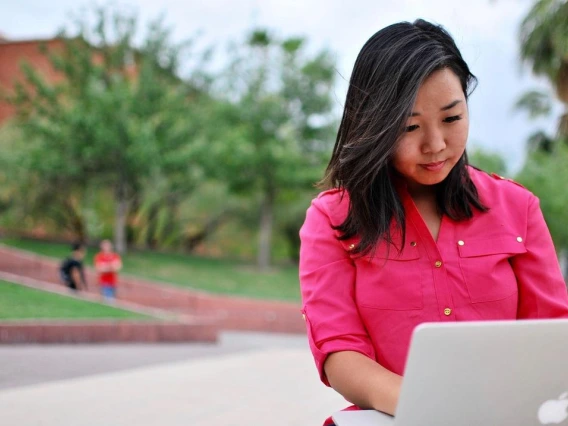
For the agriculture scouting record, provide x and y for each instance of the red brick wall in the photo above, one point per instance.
(229, 312)
(12, 55)
(104, 331)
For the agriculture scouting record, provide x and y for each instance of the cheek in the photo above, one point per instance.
(459, 135)
(406, 155)
(401, 154)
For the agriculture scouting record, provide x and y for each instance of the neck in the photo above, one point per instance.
(421, 192)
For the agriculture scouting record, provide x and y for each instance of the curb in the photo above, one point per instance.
(104, 332)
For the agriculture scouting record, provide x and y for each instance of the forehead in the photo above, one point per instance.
(441, 87)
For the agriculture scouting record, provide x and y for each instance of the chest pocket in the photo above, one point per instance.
(486, 268)
(389, 280)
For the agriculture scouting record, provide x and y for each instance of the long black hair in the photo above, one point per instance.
(388, 72)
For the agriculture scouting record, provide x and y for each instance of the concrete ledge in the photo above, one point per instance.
(104, 331)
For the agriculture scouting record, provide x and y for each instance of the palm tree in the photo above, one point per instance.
(544, 45)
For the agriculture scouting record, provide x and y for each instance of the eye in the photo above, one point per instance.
(411, 128)
(452, 119)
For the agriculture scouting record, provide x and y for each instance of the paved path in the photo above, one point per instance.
(247, 379)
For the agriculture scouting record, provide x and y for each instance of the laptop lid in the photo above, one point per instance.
(362, 418)
(486, 373)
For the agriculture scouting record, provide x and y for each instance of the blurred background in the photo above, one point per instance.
(191, 135)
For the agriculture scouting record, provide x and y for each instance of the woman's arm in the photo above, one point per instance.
(362, 381)
(542, 290)
(342, 348)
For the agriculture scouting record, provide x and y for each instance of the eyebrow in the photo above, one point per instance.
(444, 108)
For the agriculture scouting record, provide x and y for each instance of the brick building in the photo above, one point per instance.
(12, 54)
(15, 52)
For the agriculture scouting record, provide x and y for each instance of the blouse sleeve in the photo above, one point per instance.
(542, 291)
(327, 281)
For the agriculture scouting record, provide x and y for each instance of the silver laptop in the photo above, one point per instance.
(502, 373)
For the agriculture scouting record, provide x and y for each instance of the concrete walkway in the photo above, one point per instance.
(248, 379)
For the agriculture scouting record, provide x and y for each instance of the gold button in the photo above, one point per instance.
(460, 243)
(520, 239)
(304, 316)
(447, 311)
(438, 263)
(413, 243)
(351, 246)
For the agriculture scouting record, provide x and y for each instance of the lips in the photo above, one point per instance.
(434, 167)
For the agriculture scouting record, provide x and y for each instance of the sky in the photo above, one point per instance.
(486, 31)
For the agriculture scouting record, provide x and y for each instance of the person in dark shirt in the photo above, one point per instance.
(71, 269)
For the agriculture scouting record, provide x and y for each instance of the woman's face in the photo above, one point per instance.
(436, 132)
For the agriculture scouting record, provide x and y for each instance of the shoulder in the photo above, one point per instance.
(334, 204)
(493, 188)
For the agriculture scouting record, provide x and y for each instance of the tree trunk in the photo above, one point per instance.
(150, 241)
(293, 236)
(562, 82)
(265, 232)
(563, 126)
(73, 220)
(122, 206)
(193, 240)
(563, 258)
(562, 91)
(78, 226)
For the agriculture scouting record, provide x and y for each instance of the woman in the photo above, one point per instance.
(409, 232)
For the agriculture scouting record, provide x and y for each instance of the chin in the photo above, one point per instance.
(432, 180)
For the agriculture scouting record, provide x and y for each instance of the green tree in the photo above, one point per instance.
(31, 197)
(544, 46)
(537, 103)
(491, 162)
(119, 117)
(275, 124)
(546, 175)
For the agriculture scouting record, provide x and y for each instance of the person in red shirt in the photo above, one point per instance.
(107, 265)
(408, 232)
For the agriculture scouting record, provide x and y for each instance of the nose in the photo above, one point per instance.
(433, 142)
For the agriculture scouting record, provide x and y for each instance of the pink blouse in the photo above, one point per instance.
(501, 264)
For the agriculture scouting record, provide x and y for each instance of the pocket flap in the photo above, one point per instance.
(507, 244)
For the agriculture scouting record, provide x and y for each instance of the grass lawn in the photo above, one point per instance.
(213, 275)
(19, 302)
